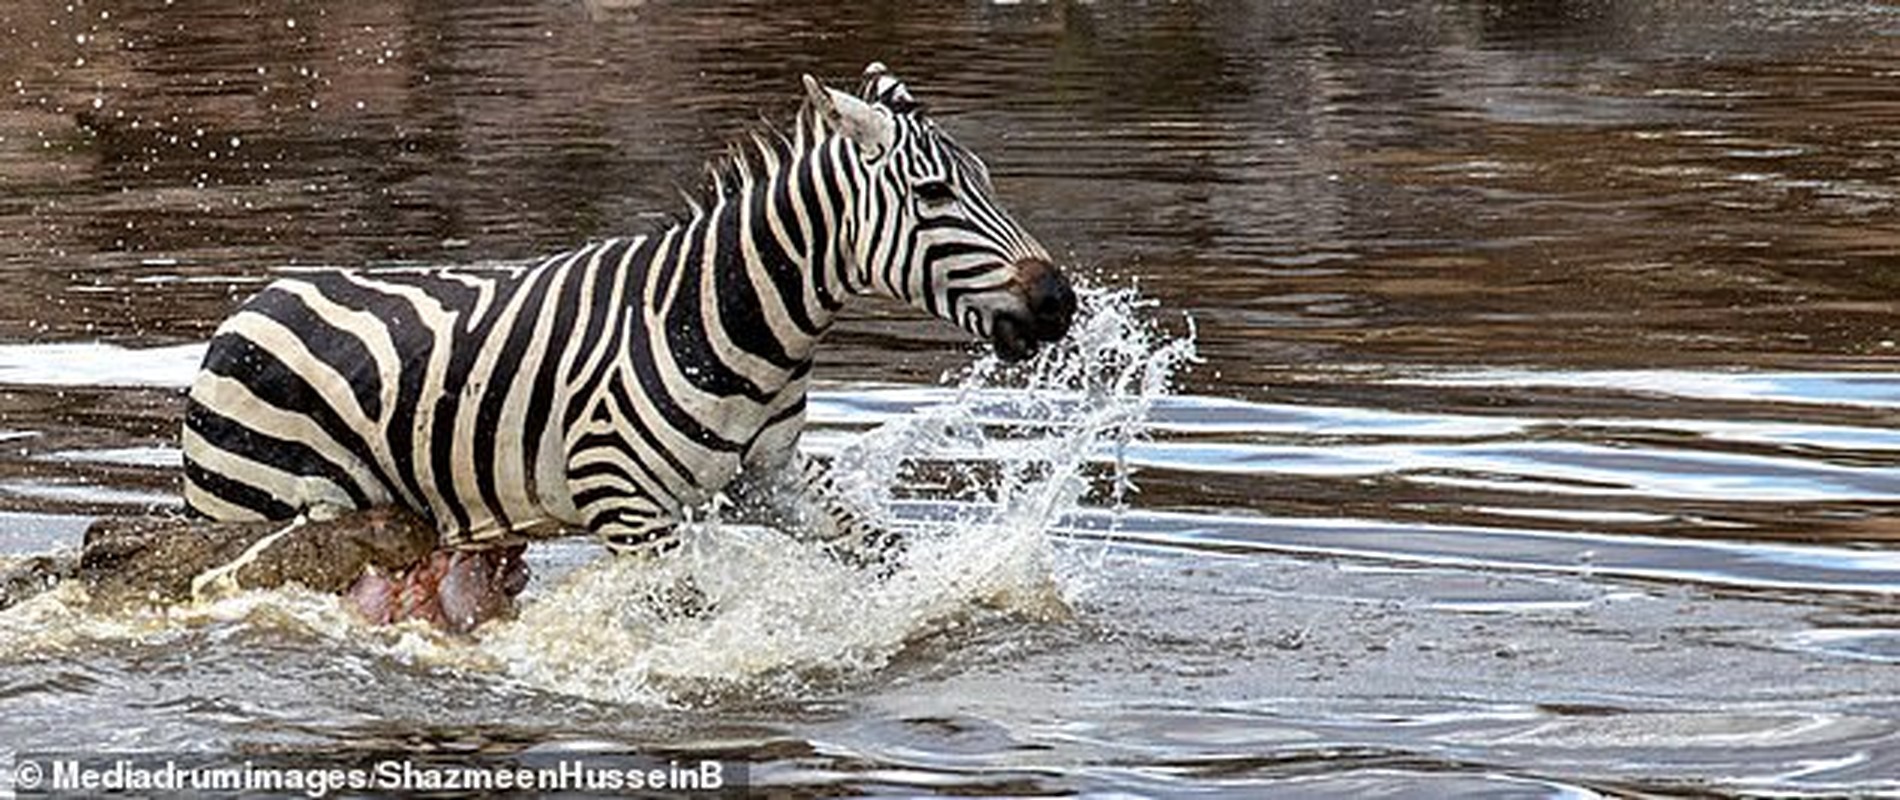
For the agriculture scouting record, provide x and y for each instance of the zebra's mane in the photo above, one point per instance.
(750, 158)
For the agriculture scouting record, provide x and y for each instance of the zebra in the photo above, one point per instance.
(615, 387)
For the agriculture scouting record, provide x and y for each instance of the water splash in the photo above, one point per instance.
(975, 483)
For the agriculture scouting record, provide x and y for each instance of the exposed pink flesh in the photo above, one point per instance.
(452, 590)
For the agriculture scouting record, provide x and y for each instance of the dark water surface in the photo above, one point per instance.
(1544, 440)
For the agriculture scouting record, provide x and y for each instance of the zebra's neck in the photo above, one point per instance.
(770, 248)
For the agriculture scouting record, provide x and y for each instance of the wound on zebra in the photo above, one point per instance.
(615, 387)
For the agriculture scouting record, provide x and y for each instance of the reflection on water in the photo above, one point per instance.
(1543, 442)
(1877, 390)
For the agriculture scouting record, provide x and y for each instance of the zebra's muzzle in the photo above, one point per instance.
(1048, 308)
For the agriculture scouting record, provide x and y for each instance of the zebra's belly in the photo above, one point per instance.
(226, 462)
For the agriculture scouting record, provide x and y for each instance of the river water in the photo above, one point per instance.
(1478, 397)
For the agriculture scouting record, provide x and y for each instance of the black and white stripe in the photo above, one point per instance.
(612, 386)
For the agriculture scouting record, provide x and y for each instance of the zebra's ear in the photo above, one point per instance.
(870, 126)
(884, 89)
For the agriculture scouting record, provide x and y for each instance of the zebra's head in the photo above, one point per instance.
(925, 227)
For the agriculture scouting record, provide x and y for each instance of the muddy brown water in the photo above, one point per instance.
(1543, 440)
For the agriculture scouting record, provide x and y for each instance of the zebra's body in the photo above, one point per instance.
(612, 386)
(451, 400)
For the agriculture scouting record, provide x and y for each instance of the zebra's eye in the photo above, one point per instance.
(934, 192)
